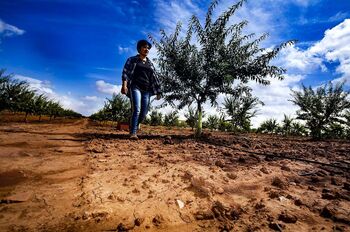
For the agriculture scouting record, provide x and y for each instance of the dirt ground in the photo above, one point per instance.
(80, 176)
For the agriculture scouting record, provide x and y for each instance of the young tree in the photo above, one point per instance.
(286, 128)
(197, 73)
(191, 117)
(269, 126)
(322, 107)
(240, 106)
(156, 118)
(171, 119)
(13, 92)
(213, 122)
(40, 105)
(4, 82)
(28, 103)
(53, 109)
(298, 129)
(118, 108)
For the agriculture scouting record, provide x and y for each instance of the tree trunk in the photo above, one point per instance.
(199, 121)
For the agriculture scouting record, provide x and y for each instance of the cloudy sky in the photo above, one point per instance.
(74, 51)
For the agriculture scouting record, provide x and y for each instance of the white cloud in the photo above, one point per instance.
(169, 13)
(334, 47)
(91, 98)
(85, 105)
(295, 59)
(122, 50)
(339, 17)
(104, 87)
(37, 85)
(9, 30)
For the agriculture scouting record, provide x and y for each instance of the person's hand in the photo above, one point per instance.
(124, 90)
(158, 97)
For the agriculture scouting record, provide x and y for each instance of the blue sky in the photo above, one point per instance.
(74, 50)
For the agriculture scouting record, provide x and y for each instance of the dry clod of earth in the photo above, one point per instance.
(264, 170)
(336, 212)
(279, 183)
(287, 217)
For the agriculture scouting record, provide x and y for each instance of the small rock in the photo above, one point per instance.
(135, 190)
(298, 202)
(260, 205)
(187, 175)
(138, 221)
(227, 154)
(201, 185)
(336, 213)
(282, 198)
(231, 175)
(287, 217)
(125, 227)
(157, 220)
(165, 181)
(219, 190)
(285, 168)
(180, 203)
(85, 216)
(220, 163)
(264, 170)
(277, 182)
(111, 196)
(204, 215)
(97, 150)
(274, 194)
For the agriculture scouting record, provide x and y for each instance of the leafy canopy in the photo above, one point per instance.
(322, 107)
(196, 72)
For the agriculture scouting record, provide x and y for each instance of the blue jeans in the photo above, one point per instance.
(139, 107)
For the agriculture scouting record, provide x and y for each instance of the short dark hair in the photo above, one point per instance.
(142, 43)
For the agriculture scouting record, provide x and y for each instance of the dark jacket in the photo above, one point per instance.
(128, 73)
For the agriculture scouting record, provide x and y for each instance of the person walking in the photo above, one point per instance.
(139, 83)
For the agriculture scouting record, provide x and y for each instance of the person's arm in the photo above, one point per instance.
(124, 89)
(156, 82)
(126, 76)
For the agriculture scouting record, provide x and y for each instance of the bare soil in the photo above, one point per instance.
(81, 176)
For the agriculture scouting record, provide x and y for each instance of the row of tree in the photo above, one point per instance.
(17, 96)
(324, 111)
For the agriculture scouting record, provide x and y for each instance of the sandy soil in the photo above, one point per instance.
(85, 177)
